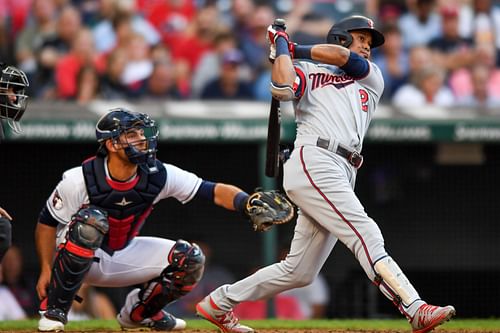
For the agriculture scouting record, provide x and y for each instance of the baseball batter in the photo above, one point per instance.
(335, 98)
(95, 213)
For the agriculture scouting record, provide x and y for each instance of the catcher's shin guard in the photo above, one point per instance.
(73, 259)
(394, 284)
(185, 269)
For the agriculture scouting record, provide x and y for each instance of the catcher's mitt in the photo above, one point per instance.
(265, 208)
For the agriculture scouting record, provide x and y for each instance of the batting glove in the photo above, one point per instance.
(273, 32)
(272, 53)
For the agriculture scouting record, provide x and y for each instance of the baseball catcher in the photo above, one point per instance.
(102, 246)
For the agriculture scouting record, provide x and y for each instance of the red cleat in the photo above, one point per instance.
(428, 317)
(226, 321)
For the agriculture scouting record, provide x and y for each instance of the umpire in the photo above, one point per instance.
(13, 102)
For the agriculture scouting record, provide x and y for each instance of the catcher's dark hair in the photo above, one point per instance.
(102, 150)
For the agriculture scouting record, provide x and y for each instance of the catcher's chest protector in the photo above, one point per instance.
(128, 204)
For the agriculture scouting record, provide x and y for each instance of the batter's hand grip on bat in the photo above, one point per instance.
(279, 22)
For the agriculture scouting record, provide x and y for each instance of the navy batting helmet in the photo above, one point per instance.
(119, 121)
(340, 32)
(13, 98)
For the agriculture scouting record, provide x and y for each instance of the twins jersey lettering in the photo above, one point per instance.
(333, 105)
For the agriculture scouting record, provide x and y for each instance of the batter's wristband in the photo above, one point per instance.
(282, 46)
(302, 51)
(240, 201)
(291, 49)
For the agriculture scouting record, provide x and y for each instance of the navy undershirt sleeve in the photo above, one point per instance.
(46, 218)
(357, 67)
(206, 190)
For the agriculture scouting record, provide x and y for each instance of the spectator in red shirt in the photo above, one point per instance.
(197, 41)
(199, 38)
(82, 53)
(170, 17)
(54, 48)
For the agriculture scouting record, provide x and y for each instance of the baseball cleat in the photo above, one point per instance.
(429, 316)
(49, 325)
(162, 321)
(226, 321)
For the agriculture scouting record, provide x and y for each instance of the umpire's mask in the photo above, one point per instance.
(13, 98)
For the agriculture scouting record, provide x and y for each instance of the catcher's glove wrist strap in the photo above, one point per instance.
(240, 202)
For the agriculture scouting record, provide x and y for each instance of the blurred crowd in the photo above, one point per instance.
(437, 52)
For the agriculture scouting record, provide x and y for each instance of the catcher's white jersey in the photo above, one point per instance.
(71, 193)
(333, 105)
(144, 257)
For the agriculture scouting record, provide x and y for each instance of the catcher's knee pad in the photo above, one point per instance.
(186, 265)
(74, 257)
(5, 236)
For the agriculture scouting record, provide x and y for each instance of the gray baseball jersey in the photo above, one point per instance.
(333, 106)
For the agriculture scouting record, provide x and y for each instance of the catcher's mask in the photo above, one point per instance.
(13, 98)
(120, 121)
(340, 32)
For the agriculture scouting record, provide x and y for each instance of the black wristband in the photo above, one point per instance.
(303, 51)
(240, 201)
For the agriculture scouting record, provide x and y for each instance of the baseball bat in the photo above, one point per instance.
(273, 139)
(274, 129)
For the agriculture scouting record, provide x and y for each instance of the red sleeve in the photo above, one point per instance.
(66, 73)
(299, 86)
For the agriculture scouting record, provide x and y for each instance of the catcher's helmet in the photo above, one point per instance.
(340, 32)
(13, 98)
(120, 120)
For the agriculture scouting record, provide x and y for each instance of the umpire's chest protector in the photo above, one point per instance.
(128, 204)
